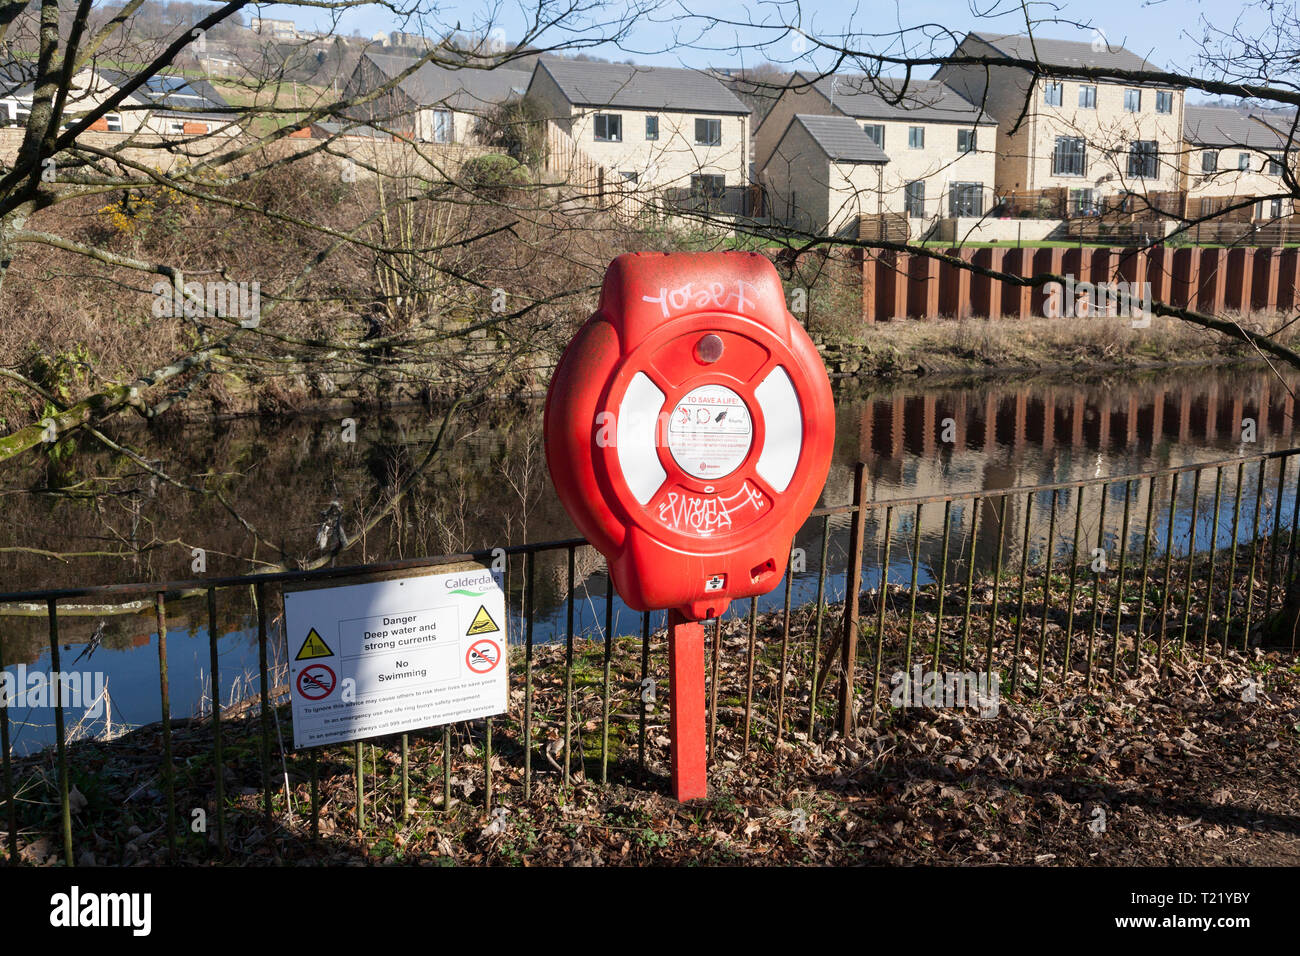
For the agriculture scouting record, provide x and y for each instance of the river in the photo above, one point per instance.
(489, 487)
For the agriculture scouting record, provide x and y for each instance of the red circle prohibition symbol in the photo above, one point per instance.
(482, 656)
(316, 682)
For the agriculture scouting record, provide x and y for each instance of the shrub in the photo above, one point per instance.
(494, 172)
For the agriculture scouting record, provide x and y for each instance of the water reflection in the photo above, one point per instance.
(917, 440)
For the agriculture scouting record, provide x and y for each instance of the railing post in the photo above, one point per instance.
(6, 767)
(852, 587)
(260, 595)
(164, 684)
(56, 679)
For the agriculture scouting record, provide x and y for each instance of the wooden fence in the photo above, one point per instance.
(1055, 203)
(899, 285)
(1221, 232)
(568, 165)
(884, 226)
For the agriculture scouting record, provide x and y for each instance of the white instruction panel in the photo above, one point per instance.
(366, 660)
(710, 432)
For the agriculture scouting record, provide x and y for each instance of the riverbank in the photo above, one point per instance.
(945, 352)
(1169, 763)
(970, 348)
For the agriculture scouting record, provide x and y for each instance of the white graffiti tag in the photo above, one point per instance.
(702, 514)
(705, 295)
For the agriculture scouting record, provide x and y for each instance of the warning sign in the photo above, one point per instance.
(482, 623)
(313, 647)
(482, 656)
(391, 656)
(710, 432)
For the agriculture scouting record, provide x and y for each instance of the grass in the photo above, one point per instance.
(297, 98)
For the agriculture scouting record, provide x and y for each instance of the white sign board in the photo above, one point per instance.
(366, 660)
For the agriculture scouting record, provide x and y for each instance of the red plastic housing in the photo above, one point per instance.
(689, 429)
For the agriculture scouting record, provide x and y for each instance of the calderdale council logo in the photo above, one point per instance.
(76, 909)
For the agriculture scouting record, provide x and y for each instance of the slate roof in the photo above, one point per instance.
(175, 95)
(329, 129)
(16, 79)
(586, 83)
(840, 137)
(465, 90)
(868, 98)
(1065, 53)
(1229, 126)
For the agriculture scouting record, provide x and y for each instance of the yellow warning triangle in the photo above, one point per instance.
(313, 648)
(482, 623)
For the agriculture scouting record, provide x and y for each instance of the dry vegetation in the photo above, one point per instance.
(370, 290)
(1169, 765)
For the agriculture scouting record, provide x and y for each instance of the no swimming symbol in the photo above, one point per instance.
(482, 656)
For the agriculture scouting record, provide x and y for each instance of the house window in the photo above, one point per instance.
(1087, 97)
(914, 199)
(708, 132)
(176, 126)
(442, 128)
(708, 186)
(1083, 202)
(652, 127)
(22, 115)
(1274, 167)
(608, 127)
(1144, 159)
(876, 133)
(1270, 209)
(114, 122)
(1164, 101)
(966, 199)
(916, 137)
(965, 141)
(629, 176)
(1052, 92)
(1133, 101)
(1069, 157)
(1209, 161)
(1243, 162)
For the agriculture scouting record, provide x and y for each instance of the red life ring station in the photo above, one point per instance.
(689, 430)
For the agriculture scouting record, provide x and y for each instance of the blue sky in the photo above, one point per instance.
(1165, 31)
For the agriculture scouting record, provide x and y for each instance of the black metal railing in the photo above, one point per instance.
(1085, 581)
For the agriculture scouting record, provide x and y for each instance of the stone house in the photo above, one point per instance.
(1093, 139)
(667, 130)
(435, 103)
(933, 155)
(1234, 156)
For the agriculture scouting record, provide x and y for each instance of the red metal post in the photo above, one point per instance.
(686, 707)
